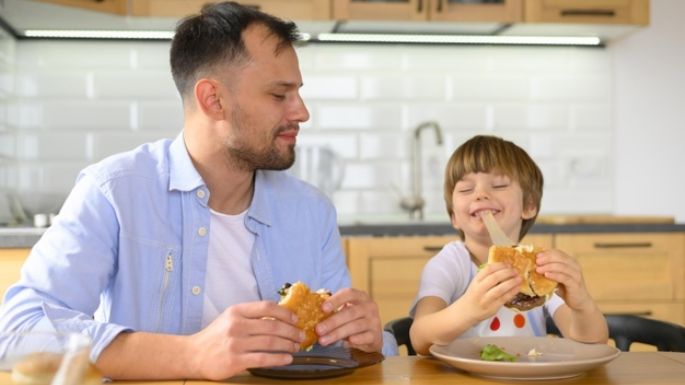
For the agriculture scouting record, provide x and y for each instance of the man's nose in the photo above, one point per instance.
(299, 111)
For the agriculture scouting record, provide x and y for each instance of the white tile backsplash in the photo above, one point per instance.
(71, 103)
(48, 146)
(134, 84)
(67, 115)
(356, 116)
(322, 87)
(160, 115)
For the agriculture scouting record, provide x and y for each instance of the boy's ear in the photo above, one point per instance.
(209, 98)
(529, 211)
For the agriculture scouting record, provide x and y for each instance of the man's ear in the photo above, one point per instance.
(529, 211)
(209, 99)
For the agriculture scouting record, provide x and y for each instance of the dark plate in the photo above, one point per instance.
(309, 367)
(320, 362)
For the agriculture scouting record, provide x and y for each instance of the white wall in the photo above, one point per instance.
(78, 101)
(649, 88)
(605, 125)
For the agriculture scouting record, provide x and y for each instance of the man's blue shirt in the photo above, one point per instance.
(128, 250)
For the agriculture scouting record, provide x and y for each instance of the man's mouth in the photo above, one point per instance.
(288, 135)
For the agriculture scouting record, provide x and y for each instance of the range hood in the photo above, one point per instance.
(29, 19)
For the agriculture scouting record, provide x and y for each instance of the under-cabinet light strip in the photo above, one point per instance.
(118, 34)
(460, 39)
(96, 34)
(338, 37)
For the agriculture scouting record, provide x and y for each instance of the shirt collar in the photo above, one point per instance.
(183, 175)
(260, 208)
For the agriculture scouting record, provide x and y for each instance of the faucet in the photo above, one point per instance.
(414, 203)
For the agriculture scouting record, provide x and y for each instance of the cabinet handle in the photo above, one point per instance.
(439, 9)
(432, 249)
(419, 7)
(588, 12)
(624, 245)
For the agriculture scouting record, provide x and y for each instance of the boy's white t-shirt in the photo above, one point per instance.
(229, 279)
(447, 276)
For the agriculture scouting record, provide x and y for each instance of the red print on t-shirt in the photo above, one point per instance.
(494, 325)
(519, 321)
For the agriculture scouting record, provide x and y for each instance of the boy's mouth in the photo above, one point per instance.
(478, 212)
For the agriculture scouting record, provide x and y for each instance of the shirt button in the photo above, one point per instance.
(200, 193)
(202, 231)
(196, 290)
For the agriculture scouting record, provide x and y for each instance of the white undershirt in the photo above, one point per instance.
(230, 279)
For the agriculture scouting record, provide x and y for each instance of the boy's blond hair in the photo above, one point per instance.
(484, 153)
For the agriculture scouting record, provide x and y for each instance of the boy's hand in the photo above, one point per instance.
(491, 288)
(561, 267)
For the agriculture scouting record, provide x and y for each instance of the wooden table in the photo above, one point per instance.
(635, 368)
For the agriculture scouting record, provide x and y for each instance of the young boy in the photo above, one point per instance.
(455, 298)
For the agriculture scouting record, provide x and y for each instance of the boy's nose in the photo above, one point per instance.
(482, 195)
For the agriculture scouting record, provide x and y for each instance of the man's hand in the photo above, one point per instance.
(357, 322)
(246, 335)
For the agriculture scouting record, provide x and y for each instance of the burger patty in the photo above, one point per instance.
(523, 302)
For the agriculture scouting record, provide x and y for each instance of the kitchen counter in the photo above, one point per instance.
(26, 237)
(19, 237)
(418, 228)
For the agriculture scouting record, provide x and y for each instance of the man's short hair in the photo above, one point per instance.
(214, 37)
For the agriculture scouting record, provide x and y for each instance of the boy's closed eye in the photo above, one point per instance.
(464, 188)
(501, 182)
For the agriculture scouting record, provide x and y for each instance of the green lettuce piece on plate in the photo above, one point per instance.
(492, 352)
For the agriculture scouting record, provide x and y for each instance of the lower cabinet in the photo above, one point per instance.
(632, 273)
(389, 268)
(11, 261)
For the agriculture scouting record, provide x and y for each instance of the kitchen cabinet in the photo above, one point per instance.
(635, 273)
(291, 9)
(11, 261)
(629, 12)
(389, 268)
(623, 12)
(503, 11)
(119, 7)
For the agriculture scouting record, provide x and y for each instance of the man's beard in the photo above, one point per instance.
(266, 158)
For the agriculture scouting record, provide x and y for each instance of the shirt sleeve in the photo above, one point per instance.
(445, 276)
(67, 270)
(553, 304)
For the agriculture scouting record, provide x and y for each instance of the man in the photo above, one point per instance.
(178, 248)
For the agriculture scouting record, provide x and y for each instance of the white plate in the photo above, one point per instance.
(560, 357)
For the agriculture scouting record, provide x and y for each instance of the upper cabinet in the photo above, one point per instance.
(514, 12)
(119, 7)
(634, 12)
(504, 11)
(291, 9)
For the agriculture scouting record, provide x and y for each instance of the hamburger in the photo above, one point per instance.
(535, 288)
(306, 305)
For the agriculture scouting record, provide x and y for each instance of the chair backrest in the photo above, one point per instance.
(400, 329)
(625, 329)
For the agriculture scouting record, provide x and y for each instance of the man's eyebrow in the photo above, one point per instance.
(286, 84)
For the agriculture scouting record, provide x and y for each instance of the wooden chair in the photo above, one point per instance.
(625, 329)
